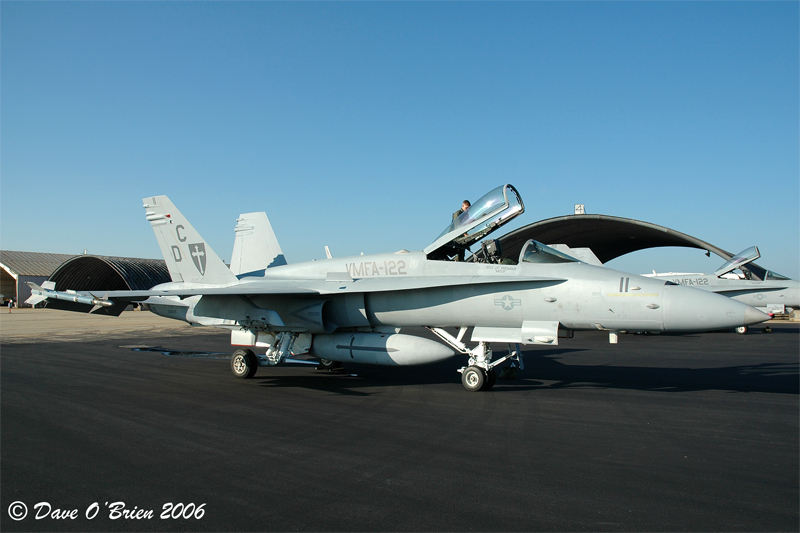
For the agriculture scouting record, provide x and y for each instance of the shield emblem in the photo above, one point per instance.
(198, 252)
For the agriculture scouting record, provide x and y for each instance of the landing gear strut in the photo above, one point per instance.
(480, 373)
(282, 347)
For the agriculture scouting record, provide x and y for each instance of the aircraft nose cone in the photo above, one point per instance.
(754, 316)
(688, 309)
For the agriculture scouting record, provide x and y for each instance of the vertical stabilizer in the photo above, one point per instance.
(189, 258)
(255, 248)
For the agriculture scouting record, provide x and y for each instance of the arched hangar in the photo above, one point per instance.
(608, 237)
(93, 272)
(77, 272)
(90, 272)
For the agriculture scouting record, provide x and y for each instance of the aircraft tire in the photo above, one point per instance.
(491, 379)
(327, 364)
(244, 364)
(473, 378)
(741, 330)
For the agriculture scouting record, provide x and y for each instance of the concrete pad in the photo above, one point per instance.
(45, 325)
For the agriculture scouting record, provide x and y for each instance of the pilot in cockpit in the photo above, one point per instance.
(464, 206)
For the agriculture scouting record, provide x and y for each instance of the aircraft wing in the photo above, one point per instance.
(329, 286)
(332, 285)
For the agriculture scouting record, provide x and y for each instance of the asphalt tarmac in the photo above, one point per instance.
(656, 433)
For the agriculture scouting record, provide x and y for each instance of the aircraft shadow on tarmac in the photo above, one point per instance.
(764, 377)
(544, 371)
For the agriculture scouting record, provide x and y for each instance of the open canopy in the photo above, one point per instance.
(493, 210)
(739, 260)
(744, 258)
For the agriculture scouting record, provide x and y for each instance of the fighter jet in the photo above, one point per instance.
(353, 309)
(763, 289)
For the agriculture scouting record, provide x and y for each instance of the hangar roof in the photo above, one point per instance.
(94, 272)
(31, 263)
(87, 272)
(609, 237)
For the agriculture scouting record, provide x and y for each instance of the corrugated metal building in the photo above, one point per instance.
(76, 272)
(18, 267)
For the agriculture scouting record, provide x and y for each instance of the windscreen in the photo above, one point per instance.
(536, 252)
(775, 276)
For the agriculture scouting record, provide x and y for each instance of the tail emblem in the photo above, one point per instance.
(199, 256)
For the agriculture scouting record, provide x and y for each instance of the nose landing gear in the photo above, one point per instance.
(480, 374)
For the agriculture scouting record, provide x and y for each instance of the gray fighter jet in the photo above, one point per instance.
(763, 289)
(352, 309)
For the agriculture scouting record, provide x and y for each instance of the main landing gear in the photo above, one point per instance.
(327, 364)
(480, 374)
(244, 363)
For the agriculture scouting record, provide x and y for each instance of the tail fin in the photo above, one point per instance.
(255, 248)
(189, 258)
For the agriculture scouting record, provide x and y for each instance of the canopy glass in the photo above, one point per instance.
(739, 260)
(490, 212)
(536, 252)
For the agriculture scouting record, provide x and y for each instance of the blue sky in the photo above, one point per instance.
(362, 126)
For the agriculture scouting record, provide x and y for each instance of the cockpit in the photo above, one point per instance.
(743, 262)
(493, 210)
(738, 261)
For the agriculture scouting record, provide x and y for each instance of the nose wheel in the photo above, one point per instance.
(475, 378)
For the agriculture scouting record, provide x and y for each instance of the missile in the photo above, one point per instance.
(392, 349)
(39, 294)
